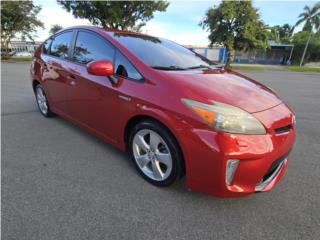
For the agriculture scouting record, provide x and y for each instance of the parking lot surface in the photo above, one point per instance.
(59, 182)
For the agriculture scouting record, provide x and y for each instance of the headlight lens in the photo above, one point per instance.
(226, 118)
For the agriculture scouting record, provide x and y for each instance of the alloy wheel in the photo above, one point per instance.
(42, 101)
(152, 154)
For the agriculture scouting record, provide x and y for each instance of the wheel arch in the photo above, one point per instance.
(139, 118)
(35, 82)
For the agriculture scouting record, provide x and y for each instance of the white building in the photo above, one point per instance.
(23, 46)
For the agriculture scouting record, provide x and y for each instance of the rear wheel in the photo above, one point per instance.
(42, 101)
(155, 153)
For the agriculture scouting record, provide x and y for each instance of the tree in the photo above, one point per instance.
(311, 20)
(281, 33)
(123, 15)
(55, 28)
(236, 25)
(18, 17)
(299, 40)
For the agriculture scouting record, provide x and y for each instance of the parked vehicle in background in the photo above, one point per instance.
(175, 111)
(23, 54)
(11, 53)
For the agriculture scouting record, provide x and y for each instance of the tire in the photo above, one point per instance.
(42, 101)
(155, 153)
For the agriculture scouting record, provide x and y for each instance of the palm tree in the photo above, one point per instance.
(311, 20)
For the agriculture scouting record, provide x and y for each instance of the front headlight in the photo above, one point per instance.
(226, 118)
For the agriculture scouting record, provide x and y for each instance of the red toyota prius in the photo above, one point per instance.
(175, 111)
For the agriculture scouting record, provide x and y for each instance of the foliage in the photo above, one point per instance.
(281, 33)
(55, 28)
(311, 20)
(236, 25)
(123, 15)
(313, 53)
(16, 59)
(303, 69)
(18, 17)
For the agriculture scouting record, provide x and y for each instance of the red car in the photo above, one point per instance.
(175, 111)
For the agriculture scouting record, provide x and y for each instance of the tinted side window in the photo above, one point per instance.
(91, 47)
(46, 45)
(125, 68)
(60, 45)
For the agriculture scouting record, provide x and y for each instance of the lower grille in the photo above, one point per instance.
(272, 172)
(283, 129)
(273, 167)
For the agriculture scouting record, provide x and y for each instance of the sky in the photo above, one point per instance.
(180, 22)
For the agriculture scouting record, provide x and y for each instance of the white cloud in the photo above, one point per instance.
(53, 15)
(195, 37)
(155, 29)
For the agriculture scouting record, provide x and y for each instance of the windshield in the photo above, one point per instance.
(161, 53)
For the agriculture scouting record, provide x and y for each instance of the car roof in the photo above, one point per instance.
(110, 30)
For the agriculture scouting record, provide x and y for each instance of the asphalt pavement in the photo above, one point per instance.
(60, 182)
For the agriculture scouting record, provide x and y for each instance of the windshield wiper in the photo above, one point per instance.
(199, 66)
(172, 68)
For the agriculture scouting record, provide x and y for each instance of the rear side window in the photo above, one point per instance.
(90, 47)
(125, 69)
(61, 44)
(46, 46)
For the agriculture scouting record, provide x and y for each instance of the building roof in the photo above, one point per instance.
(273, 43)
(202, 46)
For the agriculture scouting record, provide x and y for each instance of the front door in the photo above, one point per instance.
(94, 100)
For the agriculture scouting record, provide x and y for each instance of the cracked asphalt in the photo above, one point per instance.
(59, 182)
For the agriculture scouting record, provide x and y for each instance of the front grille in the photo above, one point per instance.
(283, 129)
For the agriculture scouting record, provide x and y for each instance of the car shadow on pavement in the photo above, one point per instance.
(123, 159)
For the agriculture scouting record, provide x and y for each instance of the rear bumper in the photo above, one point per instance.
(207, 152)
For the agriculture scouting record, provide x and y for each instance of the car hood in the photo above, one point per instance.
(224, 86)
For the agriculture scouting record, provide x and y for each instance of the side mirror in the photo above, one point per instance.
(102, 68)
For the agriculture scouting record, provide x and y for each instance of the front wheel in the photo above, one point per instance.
(155, 153)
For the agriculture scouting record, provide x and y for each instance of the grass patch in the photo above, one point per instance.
(16, 59)
(276, 68)
(252, 68)
(302, 69)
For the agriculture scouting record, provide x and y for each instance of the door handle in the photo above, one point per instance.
(71, 80)
(124, 98)
(45, 67)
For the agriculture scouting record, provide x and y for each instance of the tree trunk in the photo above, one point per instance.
(231, 54)
(7, 48)
(305, 48)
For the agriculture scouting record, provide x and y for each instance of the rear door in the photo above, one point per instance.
(55, 70)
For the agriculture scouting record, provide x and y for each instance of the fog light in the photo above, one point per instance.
(232, 165)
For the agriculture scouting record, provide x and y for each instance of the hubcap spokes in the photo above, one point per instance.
(152, 154)
(42, 101)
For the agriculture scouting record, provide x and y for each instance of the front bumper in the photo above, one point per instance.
(207, 152)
